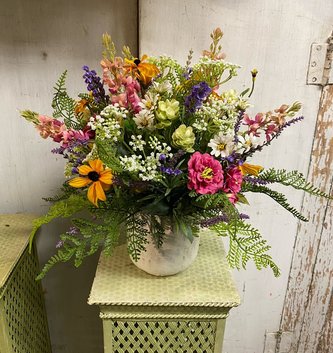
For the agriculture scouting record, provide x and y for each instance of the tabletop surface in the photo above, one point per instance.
(207, 282)
(14, 237)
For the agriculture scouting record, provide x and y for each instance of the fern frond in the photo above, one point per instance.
(157, 230)
(63, 208)
(218, 201)
(63, 105)
(294, 179)
(62, 255)
(136, 236)
(276, 196)
(245, 244)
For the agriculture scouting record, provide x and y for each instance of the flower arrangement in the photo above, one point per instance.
(153, 140)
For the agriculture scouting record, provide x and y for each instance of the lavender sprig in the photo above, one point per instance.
(222, 218)
(197, 96)
(255, 181)
(94, 85)
(237, 125)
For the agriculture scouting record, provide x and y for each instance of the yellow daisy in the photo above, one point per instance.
(97, 177)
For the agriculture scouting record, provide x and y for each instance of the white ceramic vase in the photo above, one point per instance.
(175, 255)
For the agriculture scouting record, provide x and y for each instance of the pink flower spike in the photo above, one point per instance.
(50, 127)
(205, 174)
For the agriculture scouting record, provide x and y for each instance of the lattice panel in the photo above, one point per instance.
(24, 310)
(163, 337)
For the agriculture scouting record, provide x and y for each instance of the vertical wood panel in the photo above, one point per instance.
(308, 305)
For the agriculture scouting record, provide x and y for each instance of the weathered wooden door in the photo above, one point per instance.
(294, 312)
(307, 319)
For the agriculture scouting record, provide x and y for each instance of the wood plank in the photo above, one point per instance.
(308, 304)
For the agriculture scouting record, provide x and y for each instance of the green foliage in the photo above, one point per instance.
(63, 208)
(86, 242)
(157, 229)
(136, 235)
(217, 202)
(294, 179)
(107, 154)
(64, 194)
(63, 105)
(276, 196)
(30, 116)
(245, 243)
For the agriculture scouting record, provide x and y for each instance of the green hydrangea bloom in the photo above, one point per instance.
(184, 138)
(167, 112)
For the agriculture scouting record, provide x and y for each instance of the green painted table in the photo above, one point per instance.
(23, 323)
(176, 314)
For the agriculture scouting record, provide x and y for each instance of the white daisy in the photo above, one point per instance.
(149, 101)
(162, 87)
(222, 145)
(247, 141)
(144, 120)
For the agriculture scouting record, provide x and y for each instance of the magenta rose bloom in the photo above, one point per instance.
(205, 174)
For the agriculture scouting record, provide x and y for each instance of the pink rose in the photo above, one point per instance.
(205, 174)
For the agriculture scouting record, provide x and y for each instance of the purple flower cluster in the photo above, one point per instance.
(255, 181)
(197, 96)
(170, 171)
(169, 168)
(73, 152)
(222, 218)
(94, 84)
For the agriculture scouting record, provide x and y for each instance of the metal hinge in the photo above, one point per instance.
(320, 70)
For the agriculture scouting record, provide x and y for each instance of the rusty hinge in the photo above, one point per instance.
(320, 70)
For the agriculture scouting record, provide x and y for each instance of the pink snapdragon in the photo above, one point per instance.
(50, 127)
(205, 174)
(129, 98)
(74, 135)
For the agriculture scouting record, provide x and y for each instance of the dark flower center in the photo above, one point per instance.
(94, 176)
(137, 62)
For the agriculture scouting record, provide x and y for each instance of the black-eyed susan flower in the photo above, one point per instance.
(95, 175)
(144, 71)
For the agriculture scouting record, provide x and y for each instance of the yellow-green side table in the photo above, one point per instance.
(185, 313)
(23, 323)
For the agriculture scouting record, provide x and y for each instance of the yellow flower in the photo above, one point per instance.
(144, 71)
(97, 177)
(250, 169)
(81, 106)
